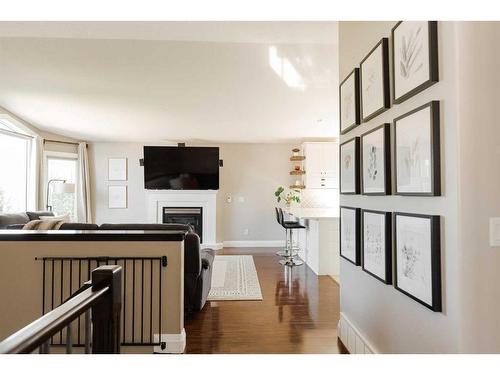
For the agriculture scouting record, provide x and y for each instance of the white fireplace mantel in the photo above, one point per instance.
(207, 199)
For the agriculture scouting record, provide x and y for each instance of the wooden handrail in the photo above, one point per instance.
(104, 299)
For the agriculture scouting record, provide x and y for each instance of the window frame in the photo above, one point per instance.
(47, 154)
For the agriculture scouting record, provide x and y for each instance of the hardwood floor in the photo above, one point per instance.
(297, 316)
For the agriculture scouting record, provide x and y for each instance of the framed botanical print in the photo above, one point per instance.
(349, 102)
(350, 234)
(117, 169)
(376, 245)
(376, 161)
(417, 151)
(415, 58)
(417, 258)
(374, 78)
(349, 166)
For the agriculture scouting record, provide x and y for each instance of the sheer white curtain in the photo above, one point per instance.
(83, 206)
(35, 179)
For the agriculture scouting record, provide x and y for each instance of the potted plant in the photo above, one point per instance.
(287, 197)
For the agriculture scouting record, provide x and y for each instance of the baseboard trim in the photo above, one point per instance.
(254, 243)
(213, 246)
(175, 343)
(352, 339)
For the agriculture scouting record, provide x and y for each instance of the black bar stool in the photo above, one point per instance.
(291, 254)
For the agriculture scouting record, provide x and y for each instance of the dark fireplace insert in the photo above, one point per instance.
(185, 215)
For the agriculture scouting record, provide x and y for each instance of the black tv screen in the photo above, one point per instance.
(181, 168)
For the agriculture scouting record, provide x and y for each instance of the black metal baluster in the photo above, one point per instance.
(52, 297)
(133, 300)
(43, 289)
(87, 331)
(151, 303)
(124, 299)
(69, 340)
(159, 303)
(142, 303)
(62, 283)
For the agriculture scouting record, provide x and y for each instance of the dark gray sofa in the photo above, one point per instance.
(198, 262)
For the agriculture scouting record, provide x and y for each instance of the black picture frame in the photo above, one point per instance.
(433, 63)
(388, 245)
(357, 156)
(435, 235)
(357, 236)
(387, 160)
(385, 79)
(357, 115)
(434, 147)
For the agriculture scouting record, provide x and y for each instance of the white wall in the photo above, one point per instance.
(392, 322)
(251, 171)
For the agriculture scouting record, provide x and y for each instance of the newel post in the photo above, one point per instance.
(106, 313)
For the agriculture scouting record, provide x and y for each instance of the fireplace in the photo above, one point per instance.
(185, 215)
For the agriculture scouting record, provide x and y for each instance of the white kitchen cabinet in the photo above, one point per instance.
(321, 165)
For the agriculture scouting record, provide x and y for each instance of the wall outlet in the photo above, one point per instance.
(495, 231)
(245, 232)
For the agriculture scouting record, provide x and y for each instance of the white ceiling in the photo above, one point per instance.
(173, 81)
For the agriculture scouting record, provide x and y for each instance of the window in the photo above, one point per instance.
(15, 150)
(61, 168)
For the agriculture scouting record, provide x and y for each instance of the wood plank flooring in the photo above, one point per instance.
(298, 314)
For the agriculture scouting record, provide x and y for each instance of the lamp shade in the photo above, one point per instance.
(64, 187)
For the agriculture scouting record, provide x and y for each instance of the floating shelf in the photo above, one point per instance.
(297, 158)
(296, 173)
(297, 186)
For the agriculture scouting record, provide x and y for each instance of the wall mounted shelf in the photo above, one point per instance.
(297, 158)
(297, 173)
(300, 187)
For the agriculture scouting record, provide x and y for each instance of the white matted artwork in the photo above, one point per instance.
(117, 169)
(117, 196)
(417, 255)
(349, 102)
(417, 151)
(349, 234)
(375, 161)
(415, 58)
(376, 250)
(374, 77)
(349, 167)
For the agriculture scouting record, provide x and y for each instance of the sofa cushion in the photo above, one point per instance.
(146, 227)
(15, 218)
(79, 226)
(35, 215)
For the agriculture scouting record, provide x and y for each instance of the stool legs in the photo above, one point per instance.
(290, 253)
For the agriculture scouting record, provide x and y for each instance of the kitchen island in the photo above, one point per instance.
(319, 242)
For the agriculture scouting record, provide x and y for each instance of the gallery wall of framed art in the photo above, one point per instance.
(390, 153)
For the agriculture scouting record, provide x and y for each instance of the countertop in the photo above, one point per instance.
(91, 235)
(314, 213)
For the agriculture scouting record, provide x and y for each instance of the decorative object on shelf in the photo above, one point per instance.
(297, 168)
(117, 196)
(117, 169)
(287, 197)
(297, 158)
(415, 58)
(349, 102)
(295, 152)
(376, 253)
(417, 258)
(297, 187)
(62, 187)
(349, 166)
(297, 172)
(376, 161)
(417, 159)
(350, 234)
(374, 78)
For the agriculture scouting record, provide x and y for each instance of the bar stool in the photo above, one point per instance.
(290, 251)
(283, 252)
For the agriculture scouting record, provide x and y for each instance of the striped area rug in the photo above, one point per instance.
(234, 278)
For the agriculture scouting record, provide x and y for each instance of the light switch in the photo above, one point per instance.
(495, 231)
(229, 199)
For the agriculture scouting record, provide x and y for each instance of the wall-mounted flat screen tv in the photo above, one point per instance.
(181, 168)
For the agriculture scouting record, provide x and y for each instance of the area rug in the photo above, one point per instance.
(234, 278)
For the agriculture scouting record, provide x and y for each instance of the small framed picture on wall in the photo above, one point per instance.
(349, 166)
(349, 102)
(417, 258)
(376, 253)
(417, 151)
(117, 196)
(415, 58)
(350, 234)
(374, 77)
(117, 169)
(376, 161)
